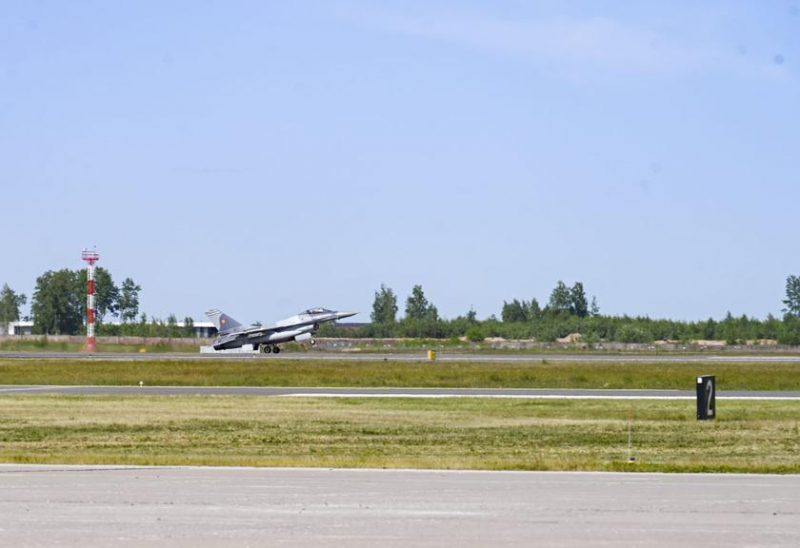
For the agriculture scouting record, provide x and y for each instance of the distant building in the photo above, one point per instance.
(201, 329)
(20, 328)
(204, 330)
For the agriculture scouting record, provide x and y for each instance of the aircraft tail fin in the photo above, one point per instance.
(222, 321)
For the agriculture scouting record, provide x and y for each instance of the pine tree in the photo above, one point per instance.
(792, 300)
(594, 310)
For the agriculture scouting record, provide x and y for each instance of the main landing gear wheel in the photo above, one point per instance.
(265, 349)
(276, 350)
(313, 342)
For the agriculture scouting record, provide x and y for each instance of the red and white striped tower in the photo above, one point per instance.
(90, 257)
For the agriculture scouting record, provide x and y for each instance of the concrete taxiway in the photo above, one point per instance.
(126, 506)
(530, 393)
(415, 357)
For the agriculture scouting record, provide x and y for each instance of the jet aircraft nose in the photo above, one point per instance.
(341, 315)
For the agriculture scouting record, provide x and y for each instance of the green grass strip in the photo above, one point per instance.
(44, 345)
(332, 373)
(400, 433)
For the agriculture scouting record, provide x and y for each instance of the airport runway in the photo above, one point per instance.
(529, 393)
(77, 506)
(413, 357)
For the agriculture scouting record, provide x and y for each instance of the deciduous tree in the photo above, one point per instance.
(172, 326)
(417, 305)
(534, 310)
(57, 305)
(515, 311)
(129, 300)
(10, 303)
(188, 327)
(560, 298)
(578, 304)
(384, 307)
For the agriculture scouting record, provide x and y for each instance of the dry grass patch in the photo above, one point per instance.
(428, 433)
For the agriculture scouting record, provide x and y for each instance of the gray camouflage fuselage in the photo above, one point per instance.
(299, 328)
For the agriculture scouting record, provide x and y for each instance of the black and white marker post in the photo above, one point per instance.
(706, 398)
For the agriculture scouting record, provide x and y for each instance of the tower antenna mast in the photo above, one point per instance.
(90, 257)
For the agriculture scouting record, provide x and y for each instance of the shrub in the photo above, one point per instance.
(474, 334)
(629, 333)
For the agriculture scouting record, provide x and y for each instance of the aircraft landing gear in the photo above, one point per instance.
(312, 342)
(268, 348)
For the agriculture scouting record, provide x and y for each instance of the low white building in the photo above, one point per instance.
(204, 330)
(201, 329)
(20, 328)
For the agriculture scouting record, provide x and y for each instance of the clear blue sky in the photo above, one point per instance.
(265, 157)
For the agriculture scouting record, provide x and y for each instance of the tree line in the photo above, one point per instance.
(568, 311)
(58, 307)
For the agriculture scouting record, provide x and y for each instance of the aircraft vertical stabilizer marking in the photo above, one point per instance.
(222, 321)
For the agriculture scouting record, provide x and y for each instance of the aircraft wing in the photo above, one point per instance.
(255, 331)
(288, 326)
(244, 334)
(274, 328)
(258, 330)
(264, 329)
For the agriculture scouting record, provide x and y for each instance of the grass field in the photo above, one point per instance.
(400, 433)
(277, 372)
(396, 346)
(13, 345)
(471, 433)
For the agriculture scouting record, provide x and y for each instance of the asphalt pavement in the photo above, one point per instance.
(78, 506)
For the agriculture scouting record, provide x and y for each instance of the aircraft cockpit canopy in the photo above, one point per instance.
(317, 311)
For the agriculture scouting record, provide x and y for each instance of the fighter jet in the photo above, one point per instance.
(298, 328)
